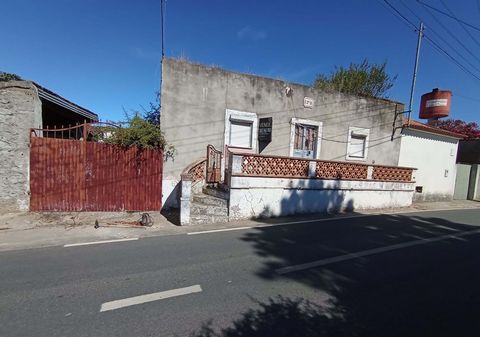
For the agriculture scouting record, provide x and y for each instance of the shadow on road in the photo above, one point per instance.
(282, 317)
(425, 290)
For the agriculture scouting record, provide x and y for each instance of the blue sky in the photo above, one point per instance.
(105, 54)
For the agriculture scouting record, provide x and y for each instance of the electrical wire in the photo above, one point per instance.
(449, 32)
(440, 37)
(433, 43)
(460, 23)
(450, 16)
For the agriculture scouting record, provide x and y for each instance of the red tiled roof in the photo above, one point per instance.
(431, 129)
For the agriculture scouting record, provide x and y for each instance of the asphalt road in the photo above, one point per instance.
(414, 274)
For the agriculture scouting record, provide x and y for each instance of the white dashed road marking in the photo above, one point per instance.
(219, 230)
(98, 242)
(350, 256)
(126, 302)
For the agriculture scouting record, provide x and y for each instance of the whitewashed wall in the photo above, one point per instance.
(252, 197)
(434, 156)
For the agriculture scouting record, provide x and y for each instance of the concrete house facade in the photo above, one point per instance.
(25, 105)
(249, 114)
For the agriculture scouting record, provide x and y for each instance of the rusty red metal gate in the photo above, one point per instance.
(79, 175)
(214, 165)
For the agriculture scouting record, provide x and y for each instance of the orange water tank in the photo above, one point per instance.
(435, 104)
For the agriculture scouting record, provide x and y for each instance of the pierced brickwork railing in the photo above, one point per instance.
(336, 170)
(198, 171)
(195, 171)
(387, 173)
(287, 167)
(274, 166)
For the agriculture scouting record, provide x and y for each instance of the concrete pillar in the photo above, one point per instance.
(312, 169)
(185, 199)
(236, 166)
(370, 172)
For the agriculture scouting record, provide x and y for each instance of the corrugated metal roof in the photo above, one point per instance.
(59, 100)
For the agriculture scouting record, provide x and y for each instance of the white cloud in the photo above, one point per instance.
(250, 33)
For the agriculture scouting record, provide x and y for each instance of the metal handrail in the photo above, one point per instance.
(84, 130)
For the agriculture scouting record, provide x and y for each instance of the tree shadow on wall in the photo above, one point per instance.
(310, 196)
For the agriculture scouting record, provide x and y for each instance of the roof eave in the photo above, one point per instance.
(453, 136)
(56, 99)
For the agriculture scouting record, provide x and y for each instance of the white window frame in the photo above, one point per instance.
(245, 117)
(317, 124)
(360, 132)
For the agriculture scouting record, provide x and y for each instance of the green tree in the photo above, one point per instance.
(5, 77)
(364, 79)
(152, 114)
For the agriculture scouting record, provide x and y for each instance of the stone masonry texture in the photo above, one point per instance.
(20, 110)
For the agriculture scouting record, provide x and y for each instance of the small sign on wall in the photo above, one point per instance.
(308, 102)
(265, 129)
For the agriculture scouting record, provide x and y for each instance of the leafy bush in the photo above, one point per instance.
(363, 79)
(5, 77)
(140, 133)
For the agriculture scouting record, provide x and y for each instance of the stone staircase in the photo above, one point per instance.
(209, 206)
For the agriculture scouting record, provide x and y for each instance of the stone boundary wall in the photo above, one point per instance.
(20, 110)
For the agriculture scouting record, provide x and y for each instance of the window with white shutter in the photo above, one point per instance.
(357, 144)
(241, 134)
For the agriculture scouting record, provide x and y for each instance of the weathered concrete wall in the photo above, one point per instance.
(252, 197)
(20, 110)
(195, 98)
(434, 156)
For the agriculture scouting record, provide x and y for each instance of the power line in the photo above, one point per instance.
(455, 38)
(454, 60)
(460, 23)
(450, 16)
(467, 97)
(401, 15)
(440, 37)
(432, 42)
